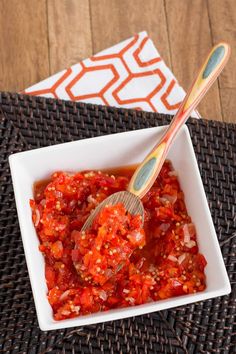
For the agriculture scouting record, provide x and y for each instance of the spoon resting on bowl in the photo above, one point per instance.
(147, 172)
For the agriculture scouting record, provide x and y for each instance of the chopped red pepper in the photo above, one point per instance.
(116, 267)
(107, 246)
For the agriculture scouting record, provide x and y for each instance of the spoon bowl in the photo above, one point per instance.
(131, 202)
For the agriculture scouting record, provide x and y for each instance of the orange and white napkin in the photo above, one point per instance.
(130, 74)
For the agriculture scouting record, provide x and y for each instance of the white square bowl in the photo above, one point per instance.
(105, 152)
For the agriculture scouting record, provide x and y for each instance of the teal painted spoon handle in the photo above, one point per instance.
(146, 173)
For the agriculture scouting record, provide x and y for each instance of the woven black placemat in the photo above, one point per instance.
(205, 327)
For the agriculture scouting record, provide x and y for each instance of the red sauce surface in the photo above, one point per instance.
(162, 262)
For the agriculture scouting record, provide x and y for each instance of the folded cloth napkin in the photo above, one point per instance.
(130, 74)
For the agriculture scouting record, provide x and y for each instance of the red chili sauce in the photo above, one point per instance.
(123, 265)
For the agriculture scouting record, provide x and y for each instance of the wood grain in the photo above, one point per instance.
(223, 26)
(69, 32)
(116, 20)
(228, 101)
(222, 15)
(190, 41)
(23, 43)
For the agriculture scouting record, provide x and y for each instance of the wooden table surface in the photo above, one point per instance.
(40, 37)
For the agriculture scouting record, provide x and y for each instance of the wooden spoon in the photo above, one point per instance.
(147, 172)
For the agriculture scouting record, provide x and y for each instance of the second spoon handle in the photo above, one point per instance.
(146, 173)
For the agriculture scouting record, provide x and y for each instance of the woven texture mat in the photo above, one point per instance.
(204, 327)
